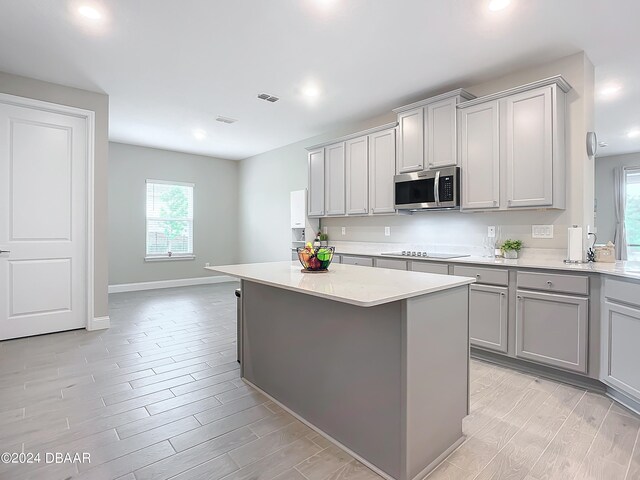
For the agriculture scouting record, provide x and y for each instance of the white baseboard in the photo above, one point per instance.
(99, 323)
(183, 282)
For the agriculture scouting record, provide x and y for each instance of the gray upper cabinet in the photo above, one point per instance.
(353, 175)
(334, 179)
(488, 317)
(528, 134)
(382, 168)
(440, 133)
(316, 183)
(411, 140)
(552, 329)
(480, 156)
(357, 178)
(512, 148)
(427, 132)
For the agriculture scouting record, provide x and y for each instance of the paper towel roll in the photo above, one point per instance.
(574, 248)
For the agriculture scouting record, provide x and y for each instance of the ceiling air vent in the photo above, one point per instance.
(268, 98)
(222, 119)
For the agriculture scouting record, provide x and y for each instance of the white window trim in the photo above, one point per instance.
(165, 257)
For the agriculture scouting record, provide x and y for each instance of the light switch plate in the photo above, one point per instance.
(541, 231)
(387, 231)
(491, 231)
(344, 230)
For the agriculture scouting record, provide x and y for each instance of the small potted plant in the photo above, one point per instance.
(324, 239)
(510, 248)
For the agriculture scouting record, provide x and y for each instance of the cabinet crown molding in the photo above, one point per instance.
(558, 80)
(351, 136)
(421, 103)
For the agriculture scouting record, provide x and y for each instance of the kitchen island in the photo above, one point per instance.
(374, 359)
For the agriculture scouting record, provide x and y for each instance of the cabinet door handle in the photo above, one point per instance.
(519, 297)
(549, 283)
(502, 294)
(5, 251)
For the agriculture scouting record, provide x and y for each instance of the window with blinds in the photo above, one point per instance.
(632, 213)
(169, 219)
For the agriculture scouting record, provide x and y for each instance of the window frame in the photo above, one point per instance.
(165, 256)
(630, 170)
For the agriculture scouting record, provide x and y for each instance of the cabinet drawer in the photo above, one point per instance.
(553, 282)
(428, 267)
(489, 276)
(353, 260)
(625, 292)
(390, 263)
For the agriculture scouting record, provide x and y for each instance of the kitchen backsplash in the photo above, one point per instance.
(449, 230)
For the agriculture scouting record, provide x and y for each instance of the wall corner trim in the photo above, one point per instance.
(98, 323)
(182, 282)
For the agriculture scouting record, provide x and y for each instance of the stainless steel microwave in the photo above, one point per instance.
(429, 189)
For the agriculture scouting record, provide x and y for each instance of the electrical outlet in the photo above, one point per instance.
(491, 231)
(344, 230)
(387, 231)
(541, 231)
(207, 264)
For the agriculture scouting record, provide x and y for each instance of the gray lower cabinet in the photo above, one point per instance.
(552, 329)
(488, 317)
(355, 260)
(621, 352)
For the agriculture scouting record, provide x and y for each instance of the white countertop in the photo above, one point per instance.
(627, 269)
(621, 269)
(361, 286)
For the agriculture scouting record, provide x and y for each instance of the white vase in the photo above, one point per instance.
(511, 254)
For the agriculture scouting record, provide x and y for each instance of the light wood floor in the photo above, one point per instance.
(158, 396)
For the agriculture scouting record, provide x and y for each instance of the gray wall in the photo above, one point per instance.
(98, 103)
(267, 179)
(605, 215)
(215, 212)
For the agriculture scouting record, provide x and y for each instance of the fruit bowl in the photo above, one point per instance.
(315, 259)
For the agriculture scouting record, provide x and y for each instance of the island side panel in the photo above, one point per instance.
(334, 364)
(435, 376)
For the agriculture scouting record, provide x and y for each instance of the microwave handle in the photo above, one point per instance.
(436, 188)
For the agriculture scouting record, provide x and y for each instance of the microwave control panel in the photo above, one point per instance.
(446, 189)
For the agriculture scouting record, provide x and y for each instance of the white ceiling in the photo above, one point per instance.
(171, 66)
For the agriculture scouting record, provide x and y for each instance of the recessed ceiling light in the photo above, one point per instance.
(495, 5)
(199, 134)
(633, 133)
(311, 91)
(89, 12)
(610, 90)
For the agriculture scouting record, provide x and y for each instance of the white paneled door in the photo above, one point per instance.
(43, 221)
